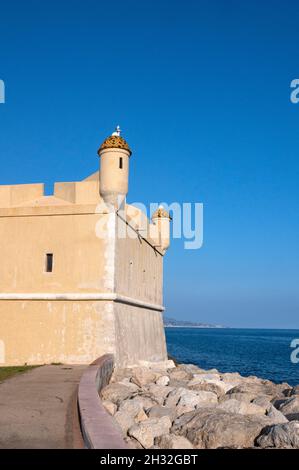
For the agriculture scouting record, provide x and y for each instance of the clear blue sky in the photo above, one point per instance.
(201, 90)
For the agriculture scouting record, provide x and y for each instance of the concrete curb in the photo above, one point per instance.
(98, 428)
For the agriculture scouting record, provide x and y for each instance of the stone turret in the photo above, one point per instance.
(161, 220)
(114, 174)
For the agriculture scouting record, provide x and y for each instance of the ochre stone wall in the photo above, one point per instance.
(78, 253)
(139, 335)
(45, 332)
(138, 268)
(138, 274)
(78, 332)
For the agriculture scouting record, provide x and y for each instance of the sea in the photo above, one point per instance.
(260, 352)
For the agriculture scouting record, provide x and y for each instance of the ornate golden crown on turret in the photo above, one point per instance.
(161, 213)
(115, 141)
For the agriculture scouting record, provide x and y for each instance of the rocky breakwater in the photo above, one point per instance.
(163, 406)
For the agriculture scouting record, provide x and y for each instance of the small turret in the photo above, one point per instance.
(114, 173)
(161, 220)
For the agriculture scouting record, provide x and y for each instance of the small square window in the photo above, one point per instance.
(49, 262)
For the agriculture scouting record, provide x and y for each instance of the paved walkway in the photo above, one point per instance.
(38, 409)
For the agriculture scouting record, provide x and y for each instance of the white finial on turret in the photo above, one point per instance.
(117, 132)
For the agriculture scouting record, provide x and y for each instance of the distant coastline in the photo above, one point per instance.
(194, 326)
(173, 323)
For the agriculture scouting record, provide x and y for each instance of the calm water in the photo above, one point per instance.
(265, 353)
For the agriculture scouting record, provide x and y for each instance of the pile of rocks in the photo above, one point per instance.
(163, 406)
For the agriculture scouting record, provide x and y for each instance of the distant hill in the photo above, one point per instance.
(173, 323)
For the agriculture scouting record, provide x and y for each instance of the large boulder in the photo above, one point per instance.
(178, 383)
(200, 378)
(198, 398)
(116, 393)
(146, 431)
(182, 409)
(290, 408)
(210, 428)
(141, 416)
(232, 378)
(163, 380)
(127, 382)
(158, 393)
(190, 369)
(129, 413)
(142, 376)
(124, 421)
(256, 387)
(138, 402)
(131, 407)
(132, 443)
(247, 397)
(284, 389)
(263, 401)
(120, 374)
(281, 436)
(174, 396)
(159, 411)
(277, 402)
(192, 398)
(295, 390)
(189, 400)
(159, 365)
(180, 374)
(241, 407)
(208, 387)
(171, 441)
(275, 416)
(110, 407)
(213, 379)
